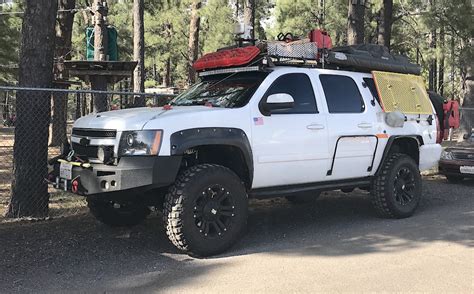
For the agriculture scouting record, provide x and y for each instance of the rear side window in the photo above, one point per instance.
(298, 85)
(371, 84)
(342, 94)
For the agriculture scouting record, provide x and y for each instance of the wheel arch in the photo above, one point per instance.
(406, 144)
(228, 147)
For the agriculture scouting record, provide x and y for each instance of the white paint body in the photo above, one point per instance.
(287, 148)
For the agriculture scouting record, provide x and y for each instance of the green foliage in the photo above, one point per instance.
(217, 25)
(167, 30)
(300, 16)
(10, 36)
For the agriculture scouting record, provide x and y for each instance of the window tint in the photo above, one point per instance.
(371, 84)
(298, 85)
(342, 94)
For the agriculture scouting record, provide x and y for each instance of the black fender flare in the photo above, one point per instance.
(390, 142)
(186, 139)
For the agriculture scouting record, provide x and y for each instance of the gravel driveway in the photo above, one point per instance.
(333, 245)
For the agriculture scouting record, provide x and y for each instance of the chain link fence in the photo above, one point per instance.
(37, 122)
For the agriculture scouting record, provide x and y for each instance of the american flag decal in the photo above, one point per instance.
(258, 121)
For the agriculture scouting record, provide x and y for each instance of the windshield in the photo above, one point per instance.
(228, 91)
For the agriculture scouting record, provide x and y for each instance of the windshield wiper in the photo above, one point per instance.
(200, 103)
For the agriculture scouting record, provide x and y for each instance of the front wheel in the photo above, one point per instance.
(205, 211)
(396, 191)
(119, 213)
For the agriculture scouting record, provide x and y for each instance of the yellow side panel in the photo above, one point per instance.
(403, 92)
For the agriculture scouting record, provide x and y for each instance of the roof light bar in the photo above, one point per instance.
(229, 70)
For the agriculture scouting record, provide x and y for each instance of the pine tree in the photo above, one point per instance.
(193, 45)
(355, 22)
(62, 52)
(29, 190)
(139, 51)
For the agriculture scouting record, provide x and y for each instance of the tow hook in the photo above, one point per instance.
(77, 187)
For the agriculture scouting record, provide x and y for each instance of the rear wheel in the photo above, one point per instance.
(455, 179)
(119, 213)
(205, 211)
(397, 190)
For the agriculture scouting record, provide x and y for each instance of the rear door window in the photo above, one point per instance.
(342, 94)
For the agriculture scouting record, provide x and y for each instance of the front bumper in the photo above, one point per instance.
(131, 173)
(452, 167)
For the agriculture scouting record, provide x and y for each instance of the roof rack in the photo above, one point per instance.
(313, 52)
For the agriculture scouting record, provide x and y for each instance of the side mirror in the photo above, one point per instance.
(278, 101)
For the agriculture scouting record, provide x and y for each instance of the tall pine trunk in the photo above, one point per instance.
(249, 16)
(99, 101)
(385, 24)
(441, 63)
(355, 22)
(29, 190)
(139, 51)
(467, 121)
(432, 76)
(64, 23)
(193, 45)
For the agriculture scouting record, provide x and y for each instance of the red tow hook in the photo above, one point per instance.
(75, 186)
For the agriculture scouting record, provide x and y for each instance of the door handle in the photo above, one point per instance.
(365, 125)
(315, 127)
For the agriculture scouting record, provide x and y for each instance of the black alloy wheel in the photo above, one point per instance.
(404, 186)
(397, 187)
(205, 210)
(213, 211)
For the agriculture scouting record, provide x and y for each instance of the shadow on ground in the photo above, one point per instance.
(79, 254)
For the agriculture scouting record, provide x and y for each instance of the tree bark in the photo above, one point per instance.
(249, 16)
(167, 75)
(467, 118)
(193, 45)
(62, 52)
(441, 63)
(139, 52)
(77, 113)
(29, 190)
(385, 24)
(355, 22)
(432, 76)
(100, 53)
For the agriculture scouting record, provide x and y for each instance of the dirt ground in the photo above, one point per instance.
(333, 245)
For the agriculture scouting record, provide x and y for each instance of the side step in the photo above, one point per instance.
(288, 190)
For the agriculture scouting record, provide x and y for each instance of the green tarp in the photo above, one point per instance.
(112, 51)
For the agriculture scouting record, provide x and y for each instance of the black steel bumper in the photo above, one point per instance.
(130, 173)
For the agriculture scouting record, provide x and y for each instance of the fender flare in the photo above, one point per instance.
(185, 139)
(390, 142)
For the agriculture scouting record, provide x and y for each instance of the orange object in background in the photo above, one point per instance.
(451, 116)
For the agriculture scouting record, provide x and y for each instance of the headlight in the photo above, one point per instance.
(140, 143)
(446, 155)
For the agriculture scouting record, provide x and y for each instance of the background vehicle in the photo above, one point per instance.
(457, 162)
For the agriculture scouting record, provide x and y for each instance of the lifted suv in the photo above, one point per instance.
(286, 131)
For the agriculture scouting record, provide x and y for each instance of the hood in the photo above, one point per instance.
(134, 118)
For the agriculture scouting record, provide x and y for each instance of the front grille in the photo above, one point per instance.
(463, 156)
(89, 151)
(94, 133)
